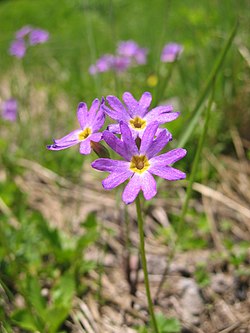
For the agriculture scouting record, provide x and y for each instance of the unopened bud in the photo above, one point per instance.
(99, 149)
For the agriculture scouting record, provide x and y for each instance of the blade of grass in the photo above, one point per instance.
(161, 88)
(92, 50)
(196, 161)
(213, 74)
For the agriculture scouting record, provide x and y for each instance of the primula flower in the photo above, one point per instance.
(90, 123)
(109, 62)
(38, 36)
(131, 49)
(136, 113)
(140, 163)
(120, 64)
(171, 52)
(24, 31)
(18, 48)
(9, 110)
(103, 64)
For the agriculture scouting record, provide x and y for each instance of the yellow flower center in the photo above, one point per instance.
(139, 164)
(138, 123)
(84, 134)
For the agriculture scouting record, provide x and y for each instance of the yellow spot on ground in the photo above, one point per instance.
(84, 134)
(138, 123)
(139, 164)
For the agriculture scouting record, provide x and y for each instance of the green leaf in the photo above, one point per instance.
(90, 221)
(64, 291)
(24, 319)
(85, 240)
(34, 297)
(56, 316)
(167, 325)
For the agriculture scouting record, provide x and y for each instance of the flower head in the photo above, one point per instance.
(9, 110)
(171, 52)
(35, 36)
(120, 64)
(131, 49)
(38, 36)
(103, 64)
(24, 31)
(139, 163)
(90, 123)
(136, 113)
(18, 48)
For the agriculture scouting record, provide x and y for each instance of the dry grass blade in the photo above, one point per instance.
(214, 231)
(220, 197)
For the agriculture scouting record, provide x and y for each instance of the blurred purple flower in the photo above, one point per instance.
(103, 64)
(24, 31)
(136, 113)
(90, 123)
(9, 110)
(131, 49)
(120, 64)
(171, 52)
(128, 54)
(18, 48)
(140, 163)
(38, 36)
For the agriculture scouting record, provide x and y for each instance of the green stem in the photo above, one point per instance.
(144, 263)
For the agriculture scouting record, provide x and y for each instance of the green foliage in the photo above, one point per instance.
(44, 259)
(164, 324)
(201, 275)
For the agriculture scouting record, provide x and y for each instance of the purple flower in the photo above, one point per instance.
(140, 163)
(127, 48)
(120, 64)
(90, 123)
(18, 48)
(131, 49)
(103, 64)
(171, 52)
(136, 113)
(38, 36)
(24, 31)
(9, 110)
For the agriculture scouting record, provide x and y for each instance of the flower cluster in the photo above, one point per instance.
(138, 142)
(9, 110)
(27, 36)
(128, 54)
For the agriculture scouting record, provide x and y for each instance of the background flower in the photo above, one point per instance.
(9, 109)
(131, 49)
(24, 31)
(18, 48)
(38, 36)
(171, 52)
